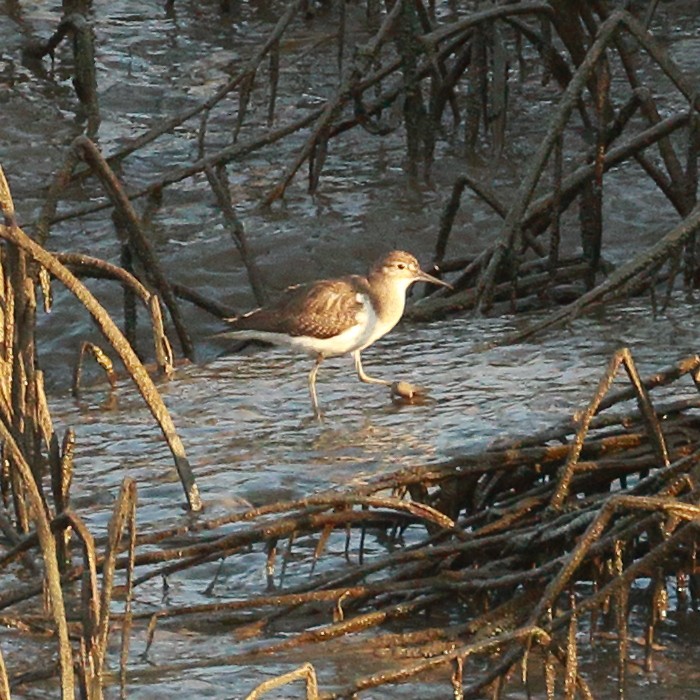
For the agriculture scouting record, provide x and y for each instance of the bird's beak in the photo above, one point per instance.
(425, 277)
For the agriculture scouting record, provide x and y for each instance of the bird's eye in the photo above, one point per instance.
(401, 266)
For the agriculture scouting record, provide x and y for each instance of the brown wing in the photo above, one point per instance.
(321, 309)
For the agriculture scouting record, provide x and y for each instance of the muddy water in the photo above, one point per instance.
(245, 418)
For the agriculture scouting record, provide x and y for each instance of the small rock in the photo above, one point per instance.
(405, 392)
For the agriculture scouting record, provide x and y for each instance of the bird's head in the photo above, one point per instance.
(401, 267)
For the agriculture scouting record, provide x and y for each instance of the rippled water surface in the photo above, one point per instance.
(247, 424)
(245, 418)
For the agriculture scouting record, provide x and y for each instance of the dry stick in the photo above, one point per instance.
(164, 127)
(662, 182)
(291, 599)
(539, 212)
(137, 240)
(23, 357)
(4, 681)
(163, 350)
(480, 545)
(102, 360)
(489, 196)
(658, 595)
(133, 365)
(432, 39)
(6, 334)
(222, 156)
(555, 233)
(63, 479)
(197, 553)
(621, 612)
(90, 602)
(573, 182)
(123, 508)
(212, 306)
(639, 31)
(348, 90)
(333, 107)
(638, 568)
(127, 621)
(684, 511)
(510, 658)
(592, 222)
(229, 153)
(82, 265)
(553, 62)
(313, 505)
(481, 647)
(510, 233)
(650, 12)
(499, 92)
(60, 181)
(223, 196)
(690, 263)
(306, 671)
(48, 549)
(452, 207)
(645, 261)
(37, 503)
(662, 377)
(12, 536)
(84, 80)
(209, 525)
(324, 589)
(418, 127)
(443, 90)
(460, 467)
(244, 92)
(493, 619)
(512, 227)
(237, 151)
(466, 299)
(641, 567)
(321, 633)
(44, 422)
(309, 520)
(623, 357)
(648, 107)
(571, 671)
(274, 73)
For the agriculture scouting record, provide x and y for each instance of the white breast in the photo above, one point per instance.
(392, 303)
(354, 338)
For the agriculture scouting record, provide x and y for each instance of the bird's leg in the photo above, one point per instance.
(365, 377)
(312, 385)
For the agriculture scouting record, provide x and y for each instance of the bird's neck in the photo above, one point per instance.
(388, 296)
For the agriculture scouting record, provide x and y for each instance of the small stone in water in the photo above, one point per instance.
(407, 392)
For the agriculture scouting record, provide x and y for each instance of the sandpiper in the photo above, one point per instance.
(337, 316)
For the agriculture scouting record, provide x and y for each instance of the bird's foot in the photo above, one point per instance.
(312, 419)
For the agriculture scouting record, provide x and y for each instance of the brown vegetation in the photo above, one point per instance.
(521, 541)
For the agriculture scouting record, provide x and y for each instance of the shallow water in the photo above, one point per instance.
(245, 418)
